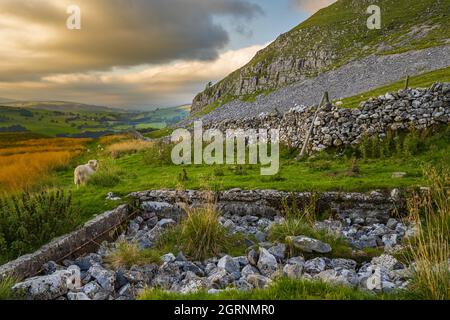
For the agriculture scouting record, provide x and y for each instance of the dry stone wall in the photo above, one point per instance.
(336, 126)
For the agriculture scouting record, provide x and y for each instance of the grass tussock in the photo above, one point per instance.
(29, 221)
(158, 154)
(200, 236)
(429, 250)
(108, 175)
(300, 222)
(120, 149)
(5, 288)
(128, 254)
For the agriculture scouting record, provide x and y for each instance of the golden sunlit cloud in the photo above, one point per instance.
(312, 6)
(179, 78)
(145, 43)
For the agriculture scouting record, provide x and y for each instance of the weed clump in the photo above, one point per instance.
(158, 154)
(429, 250)
(108, 175)
(28, 221)
(128, 254)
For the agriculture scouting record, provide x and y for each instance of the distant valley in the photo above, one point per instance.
(69, 119)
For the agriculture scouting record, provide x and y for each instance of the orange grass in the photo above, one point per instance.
(24, 163)
(128, 147)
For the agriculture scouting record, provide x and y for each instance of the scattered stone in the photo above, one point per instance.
(169, 257)
(315, 265)
(105, 278)
(91, 289)
(77, 296)
(267, 263)
(278, 251)
(260, 236)
(248, 270)
(258, 281)
(253, 257)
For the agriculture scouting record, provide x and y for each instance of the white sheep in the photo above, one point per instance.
(83, 172)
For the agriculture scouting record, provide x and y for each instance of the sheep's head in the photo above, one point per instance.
(93, 164)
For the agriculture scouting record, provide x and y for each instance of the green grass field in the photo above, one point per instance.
(324, 173)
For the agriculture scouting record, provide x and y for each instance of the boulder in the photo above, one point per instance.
(278, 251)
(315, 265)
(77, 296)
(293, 271)
(309, 245)
(105, 278)
(258, 281)
(267, 263)
(48, 287)
(253, 257)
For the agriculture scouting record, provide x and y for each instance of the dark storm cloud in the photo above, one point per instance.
(115, 33)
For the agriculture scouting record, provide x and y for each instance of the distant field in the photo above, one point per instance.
(81, 122)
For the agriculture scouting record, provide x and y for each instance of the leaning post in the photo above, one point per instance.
(325, 99)
(407, 82)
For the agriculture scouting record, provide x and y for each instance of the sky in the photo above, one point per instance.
(134, 54)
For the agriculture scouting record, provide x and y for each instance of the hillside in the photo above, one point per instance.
(329, 40)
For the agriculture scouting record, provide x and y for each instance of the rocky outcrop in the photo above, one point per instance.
(336, 127)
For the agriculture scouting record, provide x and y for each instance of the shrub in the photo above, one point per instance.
(183, 176)
(158, 154)
(413, 143)
(308, 212)
(128, 254)
(29, 221)
(429, 249)
(108, 175)
(239, 170)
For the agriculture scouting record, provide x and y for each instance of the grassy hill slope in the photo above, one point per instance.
(331, 38)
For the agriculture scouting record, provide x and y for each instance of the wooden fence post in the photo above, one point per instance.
(407, 82)
(325, 99)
